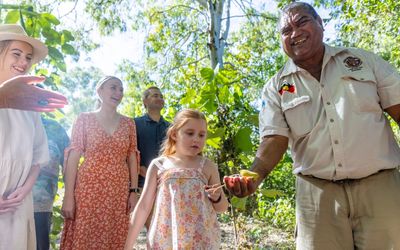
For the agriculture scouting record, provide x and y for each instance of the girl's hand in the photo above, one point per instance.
(214, 192)
(68, 208)
(132, 201)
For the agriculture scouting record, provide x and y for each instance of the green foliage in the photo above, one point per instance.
(280, 208)
(369, 24)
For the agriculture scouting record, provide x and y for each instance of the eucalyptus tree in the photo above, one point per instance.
(200, 60)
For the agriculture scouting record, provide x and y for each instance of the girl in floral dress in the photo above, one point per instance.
(183, 186)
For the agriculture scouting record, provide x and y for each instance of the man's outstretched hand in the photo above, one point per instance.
(240, 186)
(20, 93)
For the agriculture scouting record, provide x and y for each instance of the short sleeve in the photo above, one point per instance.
(133, 148)
(40, 147)
(78, 138)
(388, 81)
(271, 117)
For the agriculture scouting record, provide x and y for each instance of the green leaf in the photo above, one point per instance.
(67, 36)
(68, 49)
(189, 96)
(253, 119)
(243, 141)
(239, 203)
(271, 193)
(219, 132)
(55, 54)
(224, 94)
(51, 35)
(50, 18)
(214, 142)
(207, 74)
(12, 16)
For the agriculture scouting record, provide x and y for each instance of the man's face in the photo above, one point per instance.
(155, 100)
(301, 35)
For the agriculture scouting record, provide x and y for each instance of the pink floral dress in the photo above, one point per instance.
(183, 216)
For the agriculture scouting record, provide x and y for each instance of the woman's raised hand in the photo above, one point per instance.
(20, 93)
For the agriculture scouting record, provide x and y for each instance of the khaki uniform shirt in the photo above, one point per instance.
(336, 127)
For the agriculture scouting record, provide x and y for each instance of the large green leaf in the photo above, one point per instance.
(55, 54)
(243, 140)
(68, 49)
(207, 74)
(239, 203)
(50, 18)
(271, 193)
(12, 16)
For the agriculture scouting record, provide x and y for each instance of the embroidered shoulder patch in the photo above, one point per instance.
(286, 87)
(353, 63)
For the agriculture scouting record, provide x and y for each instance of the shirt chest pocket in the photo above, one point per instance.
(297, 112)
(362, 91)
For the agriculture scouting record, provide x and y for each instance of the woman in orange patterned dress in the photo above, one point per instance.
(97, 198)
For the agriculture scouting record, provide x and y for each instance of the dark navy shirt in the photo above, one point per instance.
(150, 135)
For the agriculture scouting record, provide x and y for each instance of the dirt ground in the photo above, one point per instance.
(254, 236)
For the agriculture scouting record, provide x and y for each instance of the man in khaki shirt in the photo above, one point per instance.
(328, 104)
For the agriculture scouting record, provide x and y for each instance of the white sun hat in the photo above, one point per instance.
(16, 32)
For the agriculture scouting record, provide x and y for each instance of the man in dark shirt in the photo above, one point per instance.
(151, 129)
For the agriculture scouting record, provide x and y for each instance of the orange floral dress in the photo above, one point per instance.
(102, 185)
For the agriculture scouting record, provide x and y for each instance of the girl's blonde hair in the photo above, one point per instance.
(181, 118)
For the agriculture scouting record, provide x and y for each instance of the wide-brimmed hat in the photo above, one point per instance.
(16, 32)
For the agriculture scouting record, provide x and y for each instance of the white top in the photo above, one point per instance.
(336, 127)
(23, 143)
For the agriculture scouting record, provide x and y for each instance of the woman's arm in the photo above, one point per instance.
(143, 208)
(71, 169)
(15, 198)
(133, 177)
(214, 190)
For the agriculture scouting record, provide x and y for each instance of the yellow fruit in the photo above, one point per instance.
(248, 173)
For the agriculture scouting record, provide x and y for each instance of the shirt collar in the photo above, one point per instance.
(290, 67)
(148, 119)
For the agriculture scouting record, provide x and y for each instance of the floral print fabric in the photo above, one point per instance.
(183, 216)
(102, 185)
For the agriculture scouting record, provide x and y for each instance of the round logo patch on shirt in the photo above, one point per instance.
(286, 87)
(353, 63)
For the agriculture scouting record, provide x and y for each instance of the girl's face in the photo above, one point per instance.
(191, 137)
(111, 92)
(16, 60)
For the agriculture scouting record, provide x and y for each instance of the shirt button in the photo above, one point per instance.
(336, 142)
(332, 121)
(340, 165)
(322, 85)
(328, 103)
(362, 79)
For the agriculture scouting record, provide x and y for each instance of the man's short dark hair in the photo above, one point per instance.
(146, 93)
(301, 5)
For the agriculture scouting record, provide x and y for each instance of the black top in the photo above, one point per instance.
(150, 135)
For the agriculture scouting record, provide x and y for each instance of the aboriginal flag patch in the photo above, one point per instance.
(286, 87)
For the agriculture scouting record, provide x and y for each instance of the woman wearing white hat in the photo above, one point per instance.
(23, 142)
